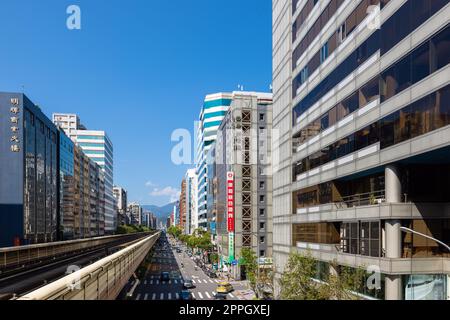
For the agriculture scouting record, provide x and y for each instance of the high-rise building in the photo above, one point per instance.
(135, 211)
(211, 196)
(361, 106)
(244, 181)
(191, 201)
(29, 173)
(213, 111)
(120, 194)
(66, 188)
(182, 202)
(97, 146)
(70, 123)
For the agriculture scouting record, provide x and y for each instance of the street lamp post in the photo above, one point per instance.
(408, 230)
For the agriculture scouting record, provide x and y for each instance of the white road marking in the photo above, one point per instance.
(207, 294)
(175, 281)
(204, 280)
(146, 296)
(200, 295)
(193, 295)
(231, 295)
(193, 281)
(161, 297)
(151, 281)
(157, 281)
(170, 296)
(145, 282)
(154, 296)
(210, 281)
(138, 296)
(170, 281)
(177, 296)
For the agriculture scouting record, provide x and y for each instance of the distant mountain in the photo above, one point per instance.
(162, 213)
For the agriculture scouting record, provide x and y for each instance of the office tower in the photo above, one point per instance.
(135, 211)
(361, 103)
(29, 172)
(88, 199)
(211, 196)
(70, 123)
(244, 181)
(120, 194)
(98, 147)
(183, 205)
(191, 201)
(66, 156)
(214, 109)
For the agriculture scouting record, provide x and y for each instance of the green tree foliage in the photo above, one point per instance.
(297, 280)
(249, 261)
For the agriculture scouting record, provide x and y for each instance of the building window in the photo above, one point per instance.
(262, 117)
(262, 212)
(324, 53)
(262, 226)
(262, 240)
(262, 198)
(262, 253)
(262, 185)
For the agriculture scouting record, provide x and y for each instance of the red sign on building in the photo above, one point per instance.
(230, 201)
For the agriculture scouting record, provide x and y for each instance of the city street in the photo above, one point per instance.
(181, 267)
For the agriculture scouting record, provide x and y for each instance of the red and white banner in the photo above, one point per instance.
(230, 201)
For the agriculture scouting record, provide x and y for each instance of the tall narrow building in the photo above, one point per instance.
(362, 106)
(191, 202)
(243, 178)
(213, 111)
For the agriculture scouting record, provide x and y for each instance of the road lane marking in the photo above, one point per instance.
(175, 281)
(231, 295)
(151, 281)
(193, 281)
(157, 281)
(177, 296)
(210, 281)
(170, 296)
(200, 295)
(193, 295)
(145, 282)
(161, 296)
(170, 281)
(154, 296)
(207, 294)
(204, 280)
(146, 296)
(138, 296)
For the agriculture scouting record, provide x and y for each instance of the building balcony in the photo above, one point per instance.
(331, 252)
(382, 211)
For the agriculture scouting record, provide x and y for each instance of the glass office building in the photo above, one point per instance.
(29, 171)
(361, 102)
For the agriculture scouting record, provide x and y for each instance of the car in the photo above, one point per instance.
(186, 295)
(188, 284)
(165, 276)
(220, 296)
(224, 287)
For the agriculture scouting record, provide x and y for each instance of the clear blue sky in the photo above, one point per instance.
(137, 69)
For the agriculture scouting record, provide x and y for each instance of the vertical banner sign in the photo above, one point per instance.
(230, 215)
(230, 201)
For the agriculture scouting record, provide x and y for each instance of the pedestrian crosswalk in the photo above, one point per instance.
(199, 295)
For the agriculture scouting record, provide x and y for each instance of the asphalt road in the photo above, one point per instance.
(166, 259)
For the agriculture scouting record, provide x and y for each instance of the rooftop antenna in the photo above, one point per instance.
(23, 88)
(270, 87)
(240, 87)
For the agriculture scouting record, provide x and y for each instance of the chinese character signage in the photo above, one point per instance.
(14, 121)
(230, 201)
(230, 247)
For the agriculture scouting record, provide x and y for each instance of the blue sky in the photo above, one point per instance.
(138, 69)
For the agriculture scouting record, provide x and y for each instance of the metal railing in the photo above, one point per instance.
(362, 199)
(102, 280)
